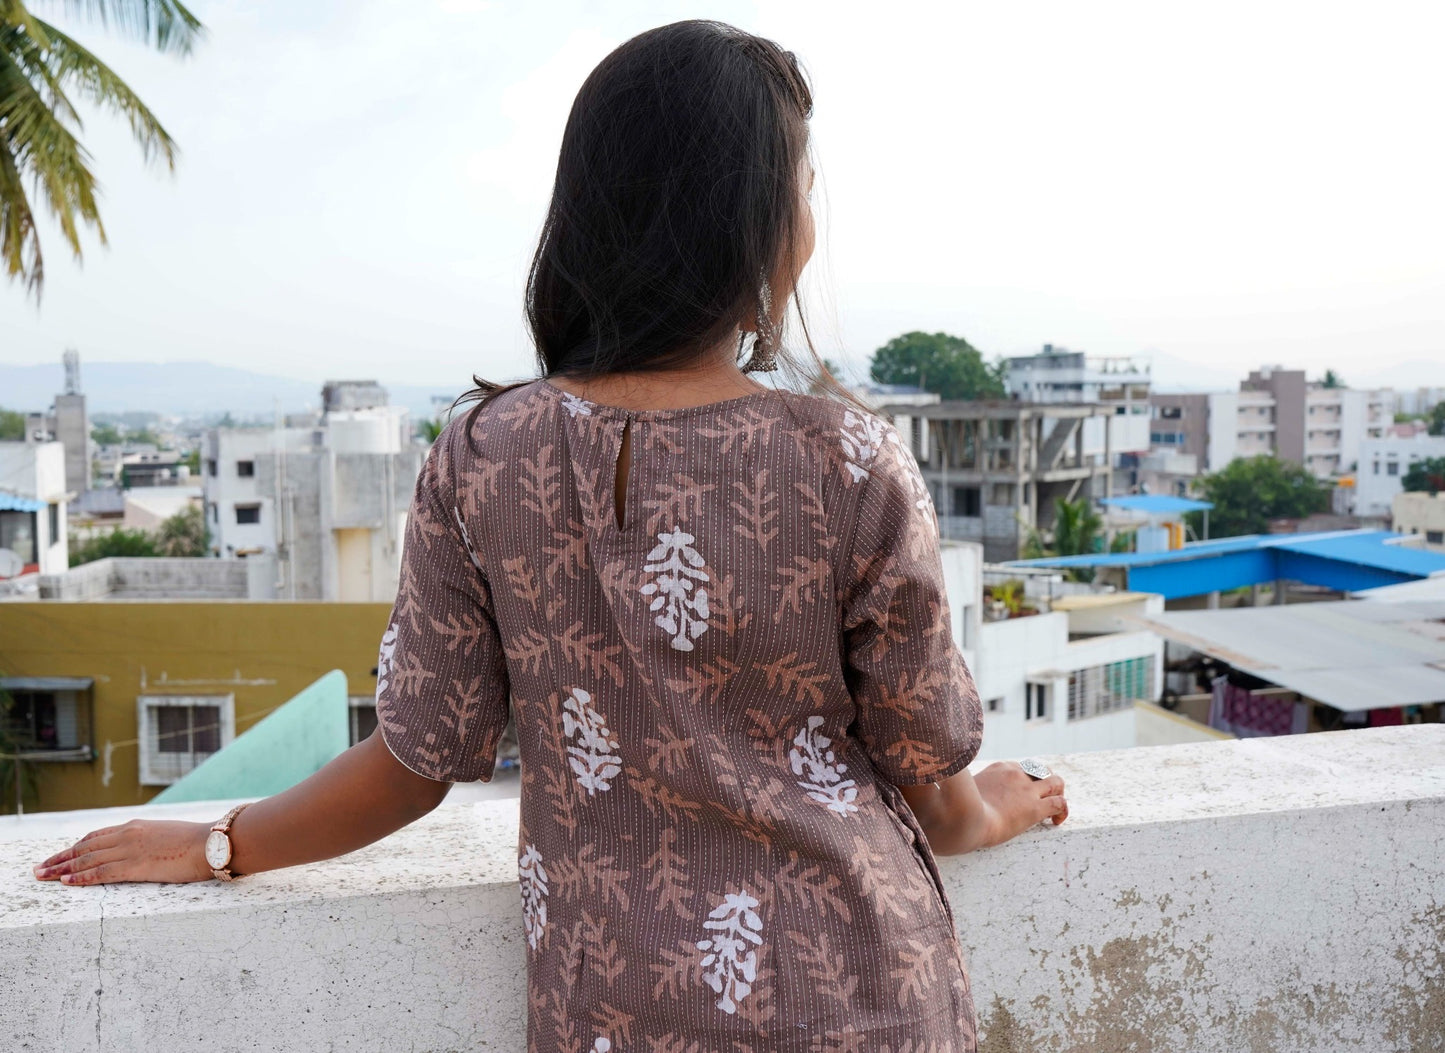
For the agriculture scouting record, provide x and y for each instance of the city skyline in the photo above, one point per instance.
(1222, 193)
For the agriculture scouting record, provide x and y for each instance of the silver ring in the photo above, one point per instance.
(1035, 769)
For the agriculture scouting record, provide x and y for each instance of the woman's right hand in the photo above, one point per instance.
(140, 850)
(1015, 800)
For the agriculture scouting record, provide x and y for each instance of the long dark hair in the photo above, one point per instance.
(676, 194)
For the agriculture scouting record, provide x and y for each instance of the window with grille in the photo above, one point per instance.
(179, 732)
(1107, 688)
(363, 716)
(248, 514)
(46, 724)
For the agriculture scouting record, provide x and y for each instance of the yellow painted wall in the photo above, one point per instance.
(262, 653)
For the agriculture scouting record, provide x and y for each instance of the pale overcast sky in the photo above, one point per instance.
(1222, 184)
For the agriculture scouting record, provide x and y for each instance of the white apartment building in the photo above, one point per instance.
(1422, 515)
(1275, 412)
(1057, 375)
(327, 496)
(1384, 463)
(33, 500)
(1064, 681)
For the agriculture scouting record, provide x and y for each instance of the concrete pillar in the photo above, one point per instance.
(1254, 595)
(1279, 587)
(1213, 600)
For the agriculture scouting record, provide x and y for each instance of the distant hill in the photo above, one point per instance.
(187, 389)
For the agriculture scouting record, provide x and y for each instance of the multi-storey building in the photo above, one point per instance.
(1275, 412)
(996, 468)
(327, 495)
(33, 501)
(1384, 463)
(66, 422)
(1122, 383)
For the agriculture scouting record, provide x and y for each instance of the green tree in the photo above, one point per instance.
(105, 434)
(947, 365)
(184, 534)
(1437, 419)
(1077, 532)
(12, 425)
(1332, 380)
(119, 542)
(429, 429)
(1250, 491)
(41, 69)
(1427, 476)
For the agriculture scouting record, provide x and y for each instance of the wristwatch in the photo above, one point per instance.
(218, 846)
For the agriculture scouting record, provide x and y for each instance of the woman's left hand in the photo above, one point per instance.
(164, 850)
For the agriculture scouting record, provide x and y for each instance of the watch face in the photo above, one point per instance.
(218, 850)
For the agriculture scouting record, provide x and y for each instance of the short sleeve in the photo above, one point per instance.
(918, 711)
(441, 678)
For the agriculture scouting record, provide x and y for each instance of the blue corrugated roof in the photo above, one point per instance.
(1368, 548)
(1156, 504)
(15, 503)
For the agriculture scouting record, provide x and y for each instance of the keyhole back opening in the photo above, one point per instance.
(624, 467)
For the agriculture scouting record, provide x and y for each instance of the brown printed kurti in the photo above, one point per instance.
(715, 703)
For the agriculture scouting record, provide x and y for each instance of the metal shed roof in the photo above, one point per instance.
(1353, 654)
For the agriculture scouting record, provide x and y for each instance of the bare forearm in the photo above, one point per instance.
(963, 813)
(357, 799)
(954, 816)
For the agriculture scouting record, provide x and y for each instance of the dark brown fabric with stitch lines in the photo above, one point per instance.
(714, 705)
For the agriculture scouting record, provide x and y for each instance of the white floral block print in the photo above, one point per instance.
(822, 773)
(676, 588)
(862, 437)
(385, 659)
(922, 499)
(591, 756)
(532, 876)
(731, 963)
(576, 406)
(466, 538)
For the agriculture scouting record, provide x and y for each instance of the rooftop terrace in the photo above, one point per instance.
(1277, 895)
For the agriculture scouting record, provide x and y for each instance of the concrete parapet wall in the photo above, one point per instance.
(147, 578)
(1279, 895)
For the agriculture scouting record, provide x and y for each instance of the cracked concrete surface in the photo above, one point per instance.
(1282, 895)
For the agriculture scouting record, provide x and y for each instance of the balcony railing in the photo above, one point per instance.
(1278, 894)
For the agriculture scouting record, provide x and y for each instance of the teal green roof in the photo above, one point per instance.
(294, 741)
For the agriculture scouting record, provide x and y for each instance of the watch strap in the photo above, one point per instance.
(224, 827)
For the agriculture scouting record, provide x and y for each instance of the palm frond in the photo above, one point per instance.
(19, 241)
(97, 83)
(41, 146)
(164, 24)
(30, 55)
(14, 13)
